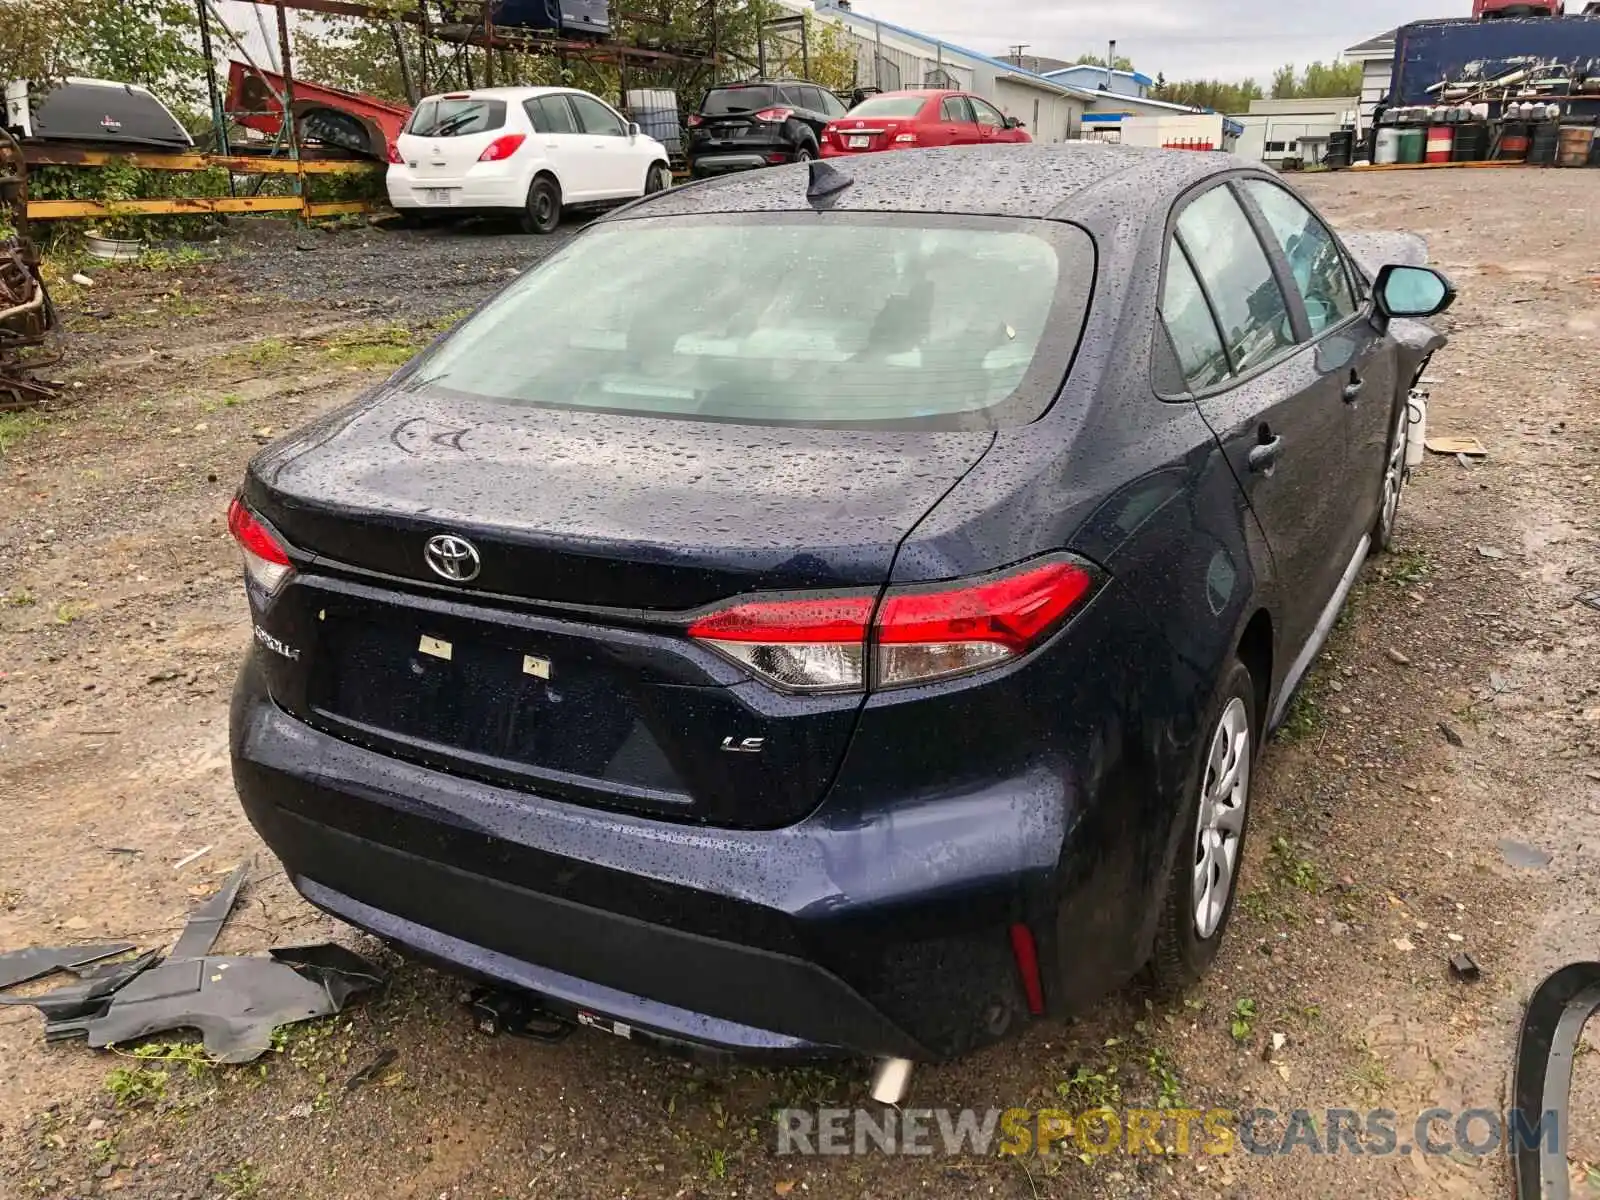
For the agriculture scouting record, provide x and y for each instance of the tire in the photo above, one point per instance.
(806, 153)
(1189, 935)
(657, 179)
(542, 212)
(1392, 489)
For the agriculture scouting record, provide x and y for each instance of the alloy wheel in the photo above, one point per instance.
(1224, 793)
(1394, 474)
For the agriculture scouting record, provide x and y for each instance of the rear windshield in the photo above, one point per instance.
(850, 320)
(890, 106)
(723, 102)
(457, 118)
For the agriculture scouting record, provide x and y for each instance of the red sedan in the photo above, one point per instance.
(907, 120)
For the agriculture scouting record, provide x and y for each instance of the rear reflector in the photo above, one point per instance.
(503, 147)
(921, 634)
(266, 563)
(1027, 956)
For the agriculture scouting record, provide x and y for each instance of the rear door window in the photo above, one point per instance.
(956, 108)
(1188, 318)
(725, 102)
(551, 114)
(596, 118)
(1230, 260)
(828, 103)
(448, 117)
(1318, 265)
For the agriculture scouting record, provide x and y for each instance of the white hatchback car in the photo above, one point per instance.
(523, 150)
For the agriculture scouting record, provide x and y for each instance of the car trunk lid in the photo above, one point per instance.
(563, 666)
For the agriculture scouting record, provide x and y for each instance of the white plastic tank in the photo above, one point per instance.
(1388, 148)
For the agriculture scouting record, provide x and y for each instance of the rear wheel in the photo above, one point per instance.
(1394, 480)
(542, 213)
(806, 153)
(1205, 871)
(657, 179)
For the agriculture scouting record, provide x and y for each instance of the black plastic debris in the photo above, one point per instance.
(234, 1001)
(19, 966)
(826, 181)
(1465, 968)
(1592, 599)
(1542, 1083)
(384, 1060)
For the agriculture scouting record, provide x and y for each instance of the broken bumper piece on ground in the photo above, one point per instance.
(234, 1001)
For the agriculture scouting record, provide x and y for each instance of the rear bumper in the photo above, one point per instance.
(863, 934)
(722, 162)
(488, 185)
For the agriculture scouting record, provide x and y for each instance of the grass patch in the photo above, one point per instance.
(1091, 1088)
(69, 612)
(1302, 719)
(268, 353)
(1243, 1019)
(161, 258)
(1297, 872)
(240, 1182)
(391, 346)
(1163, 1073)
(191, 1055)
(15, 426)
(1406, 567)
(133, 1086)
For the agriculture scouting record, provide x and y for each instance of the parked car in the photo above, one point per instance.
(909, 120)
(742, 126)
(835, 611)
(523, 151)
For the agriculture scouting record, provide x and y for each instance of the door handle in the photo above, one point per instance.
(1352, 390)
(1265, 456)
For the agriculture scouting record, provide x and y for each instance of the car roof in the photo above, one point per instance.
(1062, 181)
(508, 93)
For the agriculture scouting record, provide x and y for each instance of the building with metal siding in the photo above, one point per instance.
(891, 57)
(1376, 56)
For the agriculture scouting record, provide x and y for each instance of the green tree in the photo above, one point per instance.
(1098, 60)
(33, 34)
(152, 42)
(1215, 94)
(1317, 81)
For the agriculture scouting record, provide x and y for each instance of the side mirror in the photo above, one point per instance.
(633, 129)
(1013, 123)
(1412, 291)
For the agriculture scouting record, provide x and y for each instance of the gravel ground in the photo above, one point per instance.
(1375, 850)
(384, 270)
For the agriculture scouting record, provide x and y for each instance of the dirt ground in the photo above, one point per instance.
(1379, 846)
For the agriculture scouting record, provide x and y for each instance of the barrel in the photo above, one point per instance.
(1440, 139)
(1513, 142)
(1412, 145)
(1544, 143)
(1387, 149)
(1471, 142)
(1575, 142)
(1340, 143)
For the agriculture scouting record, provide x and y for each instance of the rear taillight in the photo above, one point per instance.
(695, 121)
(775, 115)
(920, 634)
(394, 154)
(266, 562)
(905, 139)
(503, 147)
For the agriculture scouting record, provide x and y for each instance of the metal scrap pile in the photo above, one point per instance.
(27, 317)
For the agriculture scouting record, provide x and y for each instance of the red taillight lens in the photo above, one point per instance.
(905, 139)
(394, 154)
(503, 147)
(775, 115)
(266, 562)
(920, 634)
(695, 121)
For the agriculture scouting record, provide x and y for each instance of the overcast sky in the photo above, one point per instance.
(1213, 39)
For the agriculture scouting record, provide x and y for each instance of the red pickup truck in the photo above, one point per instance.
(1487, 9)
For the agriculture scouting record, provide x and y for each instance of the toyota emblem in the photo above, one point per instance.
(453, 558)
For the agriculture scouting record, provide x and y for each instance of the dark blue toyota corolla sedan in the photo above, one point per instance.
(832, 611)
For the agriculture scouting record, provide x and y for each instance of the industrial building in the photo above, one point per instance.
(1376, 56)
(1276, 130)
